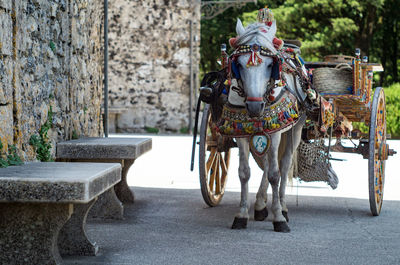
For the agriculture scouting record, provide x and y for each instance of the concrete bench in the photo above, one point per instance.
(43, 209)
(94, 149)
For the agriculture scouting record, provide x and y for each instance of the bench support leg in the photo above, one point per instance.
(124, 193)
(72, 240)
(107, 207)
(29, 232)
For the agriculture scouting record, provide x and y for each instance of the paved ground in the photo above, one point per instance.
(170, 224)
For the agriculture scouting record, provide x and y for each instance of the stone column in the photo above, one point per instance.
(124, 193)
(72, 239)
(108, 206)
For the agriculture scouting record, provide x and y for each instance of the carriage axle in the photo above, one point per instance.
(363, 149)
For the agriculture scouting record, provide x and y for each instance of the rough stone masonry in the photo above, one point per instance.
(50, 56)
(150, 62)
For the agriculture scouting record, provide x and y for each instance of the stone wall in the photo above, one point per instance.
(150, 63)
(50, 57)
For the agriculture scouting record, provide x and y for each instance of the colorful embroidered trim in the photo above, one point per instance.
(236, 122)
(253, 48)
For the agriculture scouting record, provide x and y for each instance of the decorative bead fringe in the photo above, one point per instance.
(236, 122)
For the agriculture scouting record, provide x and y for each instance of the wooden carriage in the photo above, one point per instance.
(358, 105)
(352, 104)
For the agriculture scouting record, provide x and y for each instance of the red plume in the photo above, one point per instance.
(232, 42)
(278, 43)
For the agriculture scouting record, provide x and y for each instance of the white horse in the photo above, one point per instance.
(255, 82)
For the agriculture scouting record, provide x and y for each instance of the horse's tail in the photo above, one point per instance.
(293, 167)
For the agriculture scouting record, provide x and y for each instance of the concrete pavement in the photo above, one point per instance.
(170, 224)
(167, 226)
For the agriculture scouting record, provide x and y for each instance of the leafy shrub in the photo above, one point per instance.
(41, 142)
(10, 159)
(151, 130)
(392, 94)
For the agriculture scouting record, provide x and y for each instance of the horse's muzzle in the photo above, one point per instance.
(255, 106)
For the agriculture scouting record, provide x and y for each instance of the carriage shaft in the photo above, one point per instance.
(361, 149)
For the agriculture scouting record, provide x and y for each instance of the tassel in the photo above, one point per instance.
(254, 59)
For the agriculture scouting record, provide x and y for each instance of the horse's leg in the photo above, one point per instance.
(279, 221)
(244, 175)
(293, 137)
(260, 207)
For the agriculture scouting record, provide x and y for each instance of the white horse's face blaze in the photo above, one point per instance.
(255, 82)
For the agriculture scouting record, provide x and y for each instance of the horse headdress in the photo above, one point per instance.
(264, 84)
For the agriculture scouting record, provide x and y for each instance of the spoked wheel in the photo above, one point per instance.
(378, 151)
(214, 157)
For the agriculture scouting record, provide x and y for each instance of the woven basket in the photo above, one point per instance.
(337, 80)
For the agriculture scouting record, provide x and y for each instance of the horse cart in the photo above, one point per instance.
(345, 86)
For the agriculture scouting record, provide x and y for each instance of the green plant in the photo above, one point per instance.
(392, 95)
(184, 130)
(3, 162)
(151, 130)
(52, 46)
(10, 159)
(41, 142)
(75, 135)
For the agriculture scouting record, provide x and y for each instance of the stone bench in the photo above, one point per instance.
(95, 149)
(43, 209)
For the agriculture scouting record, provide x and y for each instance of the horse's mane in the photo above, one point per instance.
(260, 34)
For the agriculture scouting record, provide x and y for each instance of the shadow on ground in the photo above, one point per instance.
(166, 226)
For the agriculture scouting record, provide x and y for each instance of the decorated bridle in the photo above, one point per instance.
(255, 51)
(284, 60)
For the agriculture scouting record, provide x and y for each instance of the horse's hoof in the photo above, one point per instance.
(239, 223)
(285, 214)
(281, 227)
(261, 215)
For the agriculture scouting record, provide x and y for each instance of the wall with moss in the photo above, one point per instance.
(150, 62)
(50, 56)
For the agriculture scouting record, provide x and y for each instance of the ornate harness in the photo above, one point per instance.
(280, 112)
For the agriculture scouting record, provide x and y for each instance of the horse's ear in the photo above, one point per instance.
(239, 27)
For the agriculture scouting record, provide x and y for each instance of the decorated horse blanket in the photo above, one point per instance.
(235, 121)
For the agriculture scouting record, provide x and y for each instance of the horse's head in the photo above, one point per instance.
(254, 59)
(255, 81)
